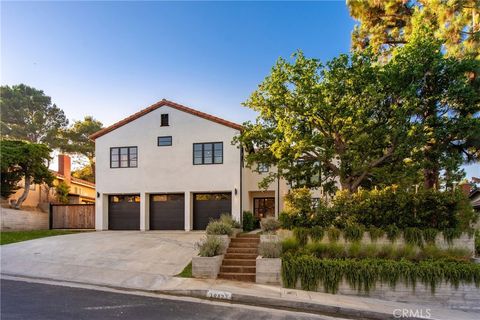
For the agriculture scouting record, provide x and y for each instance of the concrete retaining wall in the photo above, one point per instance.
(12, 219)
(206, 267)
(268, 270)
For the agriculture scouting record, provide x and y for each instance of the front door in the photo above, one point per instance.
(264, 207)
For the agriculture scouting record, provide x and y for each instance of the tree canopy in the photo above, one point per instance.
(387, 24)
(356, 120)
(28, 114)
(23, 160)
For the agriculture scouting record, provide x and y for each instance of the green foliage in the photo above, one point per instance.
(413, 236)
(210, 246)
(290, 245)
(316, 233)
(269, 225)
(375, 233)
(23, 160)
(301, 234)
(363, 274)
(270, 249)
(451, 233)
(217, 227)
(477, 242)
(353, 232)
(299, 211)
(249, 221)
(62, 190)
(355, 250)
(393, 232)
(18, 236)
(227, 219)
(84, 173)
(186, 272)
(28, 114)
(430, 235)
(333, 234)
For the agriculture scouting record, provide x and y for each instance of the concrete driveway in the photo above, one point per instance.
(133, 259)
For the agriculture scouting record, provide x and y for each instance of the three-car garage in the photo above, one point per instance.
(167, 210)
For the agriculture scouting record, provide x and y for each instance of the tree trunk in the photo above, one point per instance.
(430, 178)
(23, 197)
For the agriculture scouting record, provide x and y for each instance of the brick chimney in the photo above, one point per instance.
(465, 187)
(64, 166)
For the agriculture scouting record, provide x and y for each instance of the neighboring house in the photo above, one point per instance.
(41, 195)
(174, 168)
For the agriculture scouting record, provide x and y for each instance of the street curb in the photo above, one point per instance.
(274, 303)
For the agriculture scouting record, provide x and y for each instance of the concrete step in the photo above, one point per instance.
(247, 240)
(239, 262)
(250, 277)
(242, 250)
(237, 269)
(248, 235)
(249, 256)
(243, 245)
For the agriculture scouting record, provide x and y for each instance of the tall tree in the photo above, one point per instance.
(28, 114)
(387, 24)
(24, 160)
(317, 124)
(78, 141)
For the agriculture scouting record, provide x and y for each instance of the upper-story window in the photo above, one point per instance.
(262, 167)
(164, 120)
(123, 157)
(164, 141)
(208, 153)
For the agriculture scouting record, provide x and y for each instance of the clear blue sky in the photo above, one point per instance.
(110, 59)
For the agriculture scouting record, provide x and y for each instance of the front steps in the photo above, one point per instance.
(239, 262)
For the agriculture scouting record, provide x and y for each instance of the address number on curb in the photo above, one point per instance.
(216, 294)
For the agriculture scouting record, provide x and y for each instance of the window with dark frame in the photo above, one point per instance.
(208, 153)
(164, 120)
(123, 157)
(164, 141)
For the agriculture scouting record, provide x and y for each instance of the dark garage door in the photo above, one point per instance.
(167, 212)
(124, 212)
(208, 206)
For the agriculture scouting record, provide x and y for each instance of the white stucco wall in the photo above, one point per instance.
(166, 169)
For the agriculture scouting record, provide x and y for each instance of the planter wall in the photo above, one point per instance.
(268, 270)
(226, 241)
(463, 242)
(206, 267)
(269, 238)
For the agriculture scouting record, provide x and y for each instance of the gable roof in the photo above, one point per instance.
(157, 105)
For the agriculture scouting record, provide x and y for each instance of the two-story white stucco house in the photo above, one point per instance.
(170, 167)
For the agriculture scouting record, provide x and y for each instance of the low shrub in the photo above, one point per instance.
(413, 236)
(316, 233)
(430, 235)
(451, 233)
(375, 233)
(217, 227)
(250, 222)
(393, 232)
(301, 234)
(477, 242)
(228, 219)
(269, 225)
(333, 234)
(270, 249)
(353, 232)
(290, 245)
(210, 246)
(363, 275)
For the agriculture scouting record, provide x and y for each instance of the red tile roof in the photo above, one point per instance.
(157, 105)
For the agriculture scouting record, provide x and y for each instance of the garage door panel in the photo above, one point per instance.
(124, 212)
(167, 212)
(209, 206)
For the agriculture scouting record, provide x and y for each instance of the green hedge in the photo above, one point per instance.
(362, 275)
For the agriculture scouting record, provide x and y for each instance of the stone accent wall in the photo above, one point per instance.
(12, 219)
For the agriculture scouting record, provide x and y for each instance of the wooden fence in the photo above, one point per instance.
(72, 216)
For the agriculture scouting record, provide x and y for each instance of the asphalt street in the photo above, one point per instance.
(26, 300)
